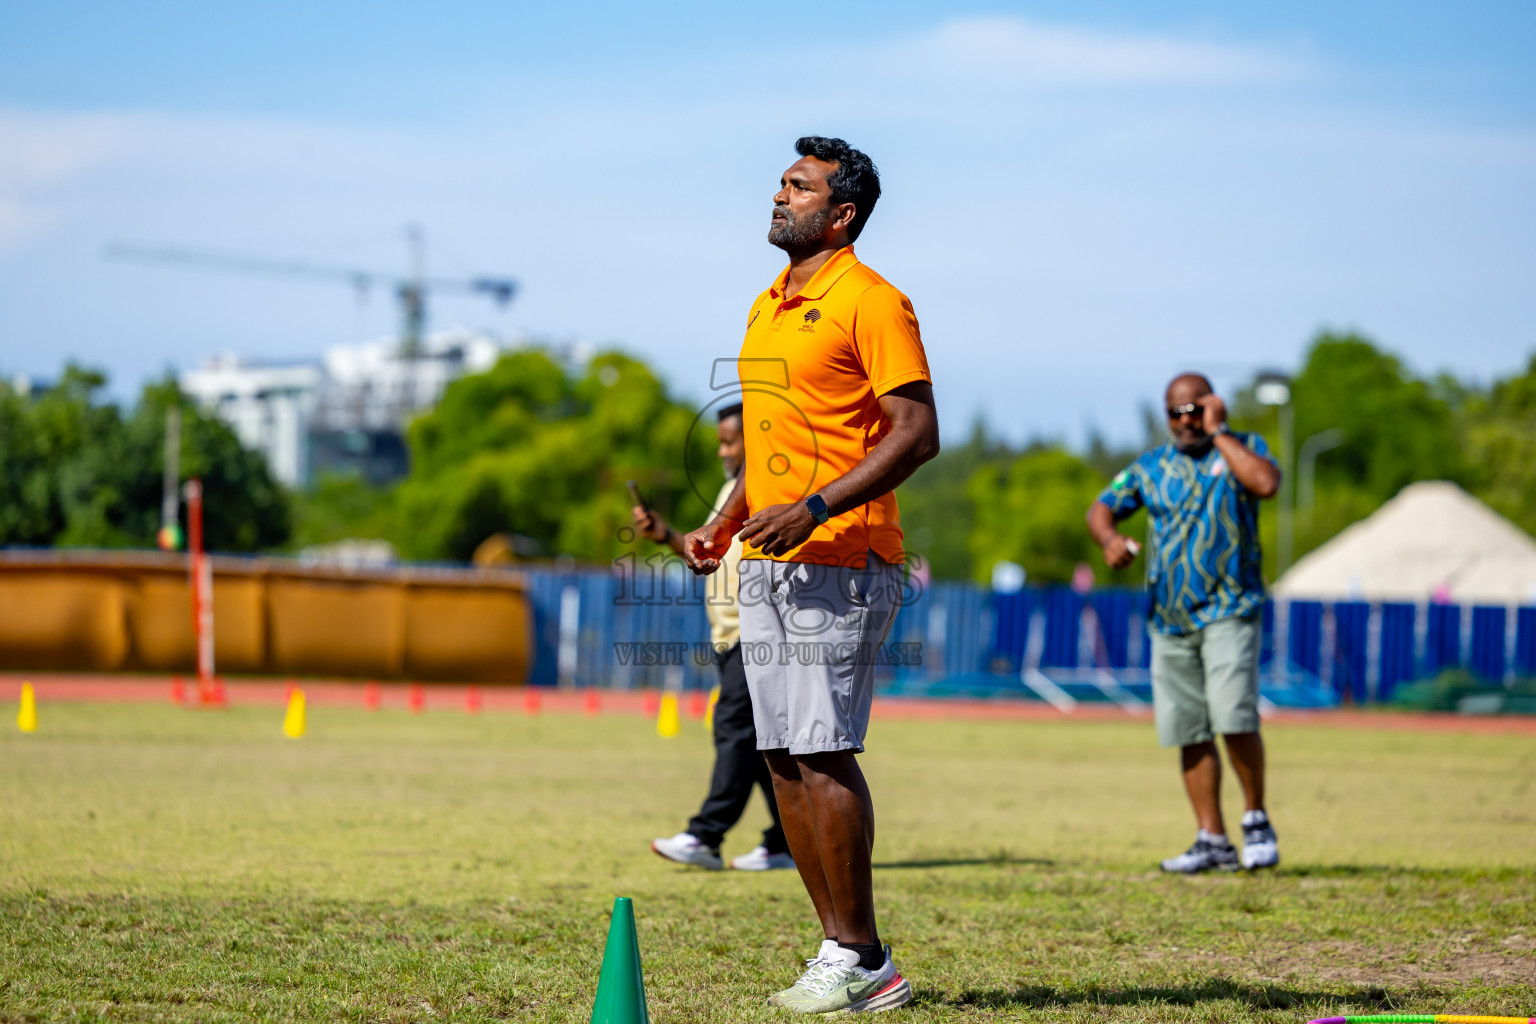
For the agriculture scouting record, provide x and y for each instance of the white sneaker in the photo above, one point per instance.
(826, 953)
(761, 860)
(1208, 852)
(685, 848)
(1261, 848)
(833, 984)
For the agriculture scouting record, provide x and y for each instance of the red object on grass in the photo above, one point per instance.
(472, 700)
(698, 701)
(418, 698)
(530, 700)
(592, 701)
(178, 690)
(650, 703)
(373, 699)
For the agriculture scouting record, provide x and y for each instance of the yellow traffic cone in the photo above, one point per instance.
(26, 717)
(709, 709)
(667, 721)
(293, 721)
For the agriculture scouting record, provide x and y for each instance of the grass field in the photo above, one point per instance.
(158, 864)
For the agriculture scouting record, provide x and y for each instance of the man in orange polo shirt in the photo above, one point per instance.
(821, 574)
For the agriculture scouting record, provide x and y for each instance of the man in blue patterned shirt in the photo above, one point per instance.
(1201, 491)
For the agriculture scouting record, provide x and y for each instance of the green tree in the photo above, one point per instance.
(75, 471)
(1397, 428)
(1500, 432)
(1032, 512)
(342, 507)
(530, 449)
(43, 483)
(937, 514)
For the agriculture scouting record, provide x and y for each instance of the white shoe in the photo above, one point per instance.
(761, 860)
(685, 848)
(1208, 852)
(825, 953)
(833, 984)
(1261, 847)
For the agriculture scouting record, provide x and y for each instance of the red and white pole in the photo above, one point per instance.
(202, 596)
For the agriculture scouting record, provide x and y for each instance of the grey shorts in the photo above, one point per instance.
(1206, 683)
(809, 641)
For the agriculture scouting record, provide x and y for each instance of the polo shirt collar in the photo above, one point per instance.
(822, 281)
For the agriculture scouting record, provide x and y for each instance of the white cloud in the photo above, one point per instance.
(41, 156)
(38, 150)
(1017, 51)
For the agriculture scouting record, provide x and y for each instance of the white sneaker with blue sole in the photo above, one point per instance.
(1209, 853)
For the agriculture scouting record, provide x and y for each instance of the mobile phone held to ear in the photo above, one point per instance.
(634, 495)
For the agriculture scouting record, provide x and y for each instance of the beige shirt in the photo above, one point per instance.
(720, 594)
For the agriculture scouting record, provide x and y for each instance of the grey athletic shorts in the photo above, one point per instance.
(809, 640)
(1206, 683)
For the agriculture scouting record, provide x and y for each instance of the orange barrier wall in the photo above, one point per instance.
(131, 611)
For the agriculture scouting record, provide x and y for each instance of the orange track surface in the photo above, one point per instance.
(53, 688)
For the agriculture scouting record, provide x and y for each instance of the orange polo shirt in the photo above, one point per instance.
(812, 369)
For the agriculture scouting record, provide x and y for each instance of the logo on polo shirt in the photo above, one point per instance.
(811, 316)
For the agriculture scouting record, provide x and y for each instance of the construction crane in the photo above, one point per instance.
(410, 291)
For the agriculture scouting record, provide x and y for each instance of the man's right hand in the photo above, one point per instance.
(703, 548)
(650, 525)
(1118, 552)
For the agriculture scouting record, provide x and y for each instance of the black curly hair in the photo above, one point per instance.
(855, 181)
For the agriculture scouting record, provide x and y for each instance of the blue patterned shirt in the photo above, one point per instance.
(1204, 562)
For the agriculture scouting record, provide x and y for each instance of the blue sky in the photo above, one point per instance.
(1081, 199)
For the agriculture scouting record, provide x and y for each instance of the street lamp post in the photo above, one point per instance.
(1306, 479)
(1275, 389)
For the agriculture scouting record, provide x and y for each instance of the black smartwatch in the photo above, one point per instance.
(817, 508)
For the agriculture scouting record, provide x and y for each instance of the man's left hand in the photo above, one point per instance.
(779, 529)
(1215, 413)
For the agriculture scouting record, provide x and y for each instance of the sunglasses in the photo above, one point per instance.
(1176, 412)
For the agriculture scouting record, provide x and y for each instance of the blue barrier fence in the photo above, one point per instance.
(595, 628)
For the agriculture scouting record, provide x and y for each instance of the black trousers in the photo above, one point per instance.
(739, 765)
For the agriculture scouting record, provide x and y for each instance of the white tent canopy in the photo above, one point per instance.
(1432, 540)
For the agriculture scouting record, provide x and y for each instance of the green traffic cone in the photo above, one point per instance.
(620, 988)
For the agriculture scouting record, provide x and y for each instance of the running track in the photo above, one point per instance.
(56, 689)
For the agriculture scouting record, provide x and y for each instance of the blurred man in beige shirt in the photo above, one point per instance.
(739, 765)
